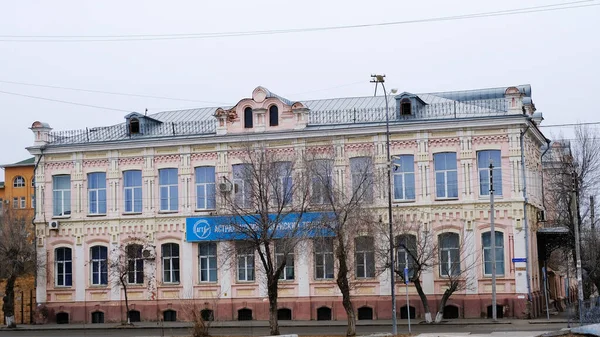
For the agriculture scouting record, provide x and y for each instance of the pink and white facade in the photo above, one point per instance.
(139, 181)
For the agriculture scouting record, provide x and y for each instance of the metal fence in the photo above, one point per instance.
(590, 312)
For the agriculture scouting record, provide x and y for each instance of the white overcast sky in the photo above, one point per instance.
(556, 52)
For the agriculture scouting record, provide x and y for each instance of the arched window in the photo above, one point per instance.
(449, 254)
(248, 118)
(62, 318)
(284, 314)
(324, 314)
(245, 314)
(404, 312)
(365, 313)
(405, 107)
(170, 262)
(499, 311)
(19, 181)
(135, 264)
(170, 316)
(207, 315)
(134, 126)
(97, 317)
(63, 265)
(135, 316)
(451, 312)
(486, 240)
(273, 115)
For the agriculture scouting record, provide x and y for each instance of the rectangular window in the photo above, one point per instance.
(404, 177)
(167, 179)
(364, 257)
(63, 266)
(361, 169)
(135, 264)
(245, 259)
(486, 239)
(282, 252)
(99, 255)
(205, 187)
(61, 195)
(406, 250)
(242, 184)
(449, 254)
(15, 202)
(446, 176)
(282, 191)
(323, 258)
(170, 261)
(322, 182)
(207, 258)
(484, 158)
(133, 191)
(23, 202)
(32, 202)
(96, 193)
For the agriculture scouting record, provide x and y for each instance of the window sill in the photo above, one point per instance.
(446, 199)
(213, 283)
(287, 281)
(323, 280)
(131, 213)
(135, 285)
(98, 286)
(205, 210)
(246, 282)
(95, 215)
(489, 276)
(61, 217)
(170, 284)
(63, 287)
(404, 201)
(168, 212)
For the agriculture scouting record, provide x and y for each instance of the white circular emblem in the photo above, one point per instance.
(202, 229)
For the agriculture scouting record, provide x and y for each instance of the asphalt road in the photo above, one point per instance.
(314, 330)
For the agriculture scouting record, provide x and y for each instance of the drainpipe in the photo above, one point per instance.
(34, 213)
(525, 224)
(542, 161)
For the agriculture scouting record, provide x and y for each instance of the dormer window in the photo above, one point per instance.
(405, 107)
(134, 126)
(273, 115)
(248, 120)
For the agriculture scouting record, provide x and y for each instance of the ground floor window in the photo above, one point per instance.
(98, 317)
(245, 314)
(62, 318)
(324, 314)
(365, 313)
(170, 316)
(134, 316)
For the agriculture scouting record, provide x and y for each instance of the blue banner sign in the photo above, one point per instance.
(225, 228)
(519, 259)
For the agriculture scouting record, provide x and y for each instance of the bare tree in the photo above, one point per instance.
(350, 207)
(267, 204)
(126, 267)
(17, 256)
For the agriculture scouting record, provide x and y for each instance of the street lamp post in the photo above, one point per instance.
(381, 79)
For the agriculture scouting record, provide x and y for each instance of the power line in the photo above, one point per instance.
(568, 124)
(107, 92)
(151, 37)
(61, 101)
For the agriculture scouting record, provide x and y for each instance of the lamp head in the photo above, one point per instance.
(394, 91)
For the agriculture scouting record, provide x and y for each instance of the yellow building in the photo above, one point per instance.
(17, 189)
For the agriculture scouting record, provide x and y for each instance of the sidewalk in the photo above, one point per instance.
(248, 324)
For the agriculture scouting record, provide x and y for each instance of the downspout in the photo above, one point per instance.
(542, 163)
(525, 224)
(35, 272)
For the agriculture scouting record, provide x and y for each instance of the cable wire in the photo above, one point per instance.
(61, 101)
(151, 37)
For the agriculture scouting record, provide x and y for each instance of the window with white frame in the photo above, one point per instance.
(361, 169)
(323, 248)
(449, 244)
(15, 202)
(486, 240)
(364, 256)
(99, 265)
(446, 175)
(19, 181)
(133, 191)
(61, 195)
(135, 264)
(406, 251)
(63, 266)
(170, 262)
(23, 202)
(205, 187)
(245, 259)
(284, 252)
(403, 168)
(96, 193)
(484, 158)
(207, 259)
(321, 181)
(169, 188)
(282, 189)
(242, 185)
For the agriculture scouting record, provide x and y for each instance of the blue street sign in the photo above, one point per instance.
(225, 228)
(406, 275)
(519, 259)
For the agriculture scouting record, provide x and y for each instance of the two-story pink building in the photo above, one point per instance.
(150, 178)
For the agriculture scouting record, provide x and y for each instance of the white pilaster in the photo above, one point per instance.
(79, 272)
(187, 269)
(40, 290)
(303, 258)
(223, 249)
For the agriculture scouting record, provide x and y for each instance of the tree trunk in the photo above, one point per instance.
(272, 284)
(8, 305)
(449, 291)
(424, 301)
(344, 285)
(126, 302)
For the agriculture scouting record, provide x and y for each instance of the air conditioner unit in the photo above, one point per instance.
(541, 216)
(148, 254)
(225, 187)
(53, 225)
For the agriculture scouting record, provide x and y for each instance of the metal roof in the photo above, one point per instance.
(322, 112)
(26, 162)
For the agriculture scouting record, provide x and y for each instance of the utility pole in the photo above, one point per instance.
(381, 79)
(592, 217)
(493, 243)
(577, 248)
